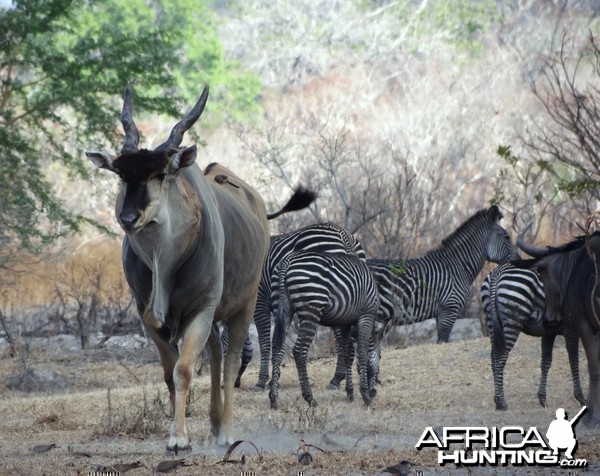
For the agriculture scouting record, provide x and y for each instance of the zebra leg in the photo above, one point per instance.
(247, 352)
(498, 364)
(445, 323)
(344, 346)
(380, 329)
(277, 358)
(547, 347)
(306, 334)
(373, 367)
(572, 345)
(340, 372)
(262, 321)
(283, 312)
(363, 339)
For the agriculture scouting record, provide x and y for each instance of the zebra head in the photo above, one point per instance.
(498, 247)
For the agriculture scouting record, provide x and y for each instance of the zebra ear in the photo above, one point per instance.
(494, 213)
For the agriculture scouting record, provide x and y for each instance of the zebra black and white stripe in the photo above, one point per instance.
(514, 302)
(322, 238)
(437, 284)
(333, 290)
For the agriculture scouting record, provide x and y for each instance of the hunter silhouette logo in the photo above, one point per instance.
(560, 433)
(508, 445)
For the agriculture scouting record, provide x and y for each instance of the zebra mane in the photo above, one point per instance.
(472, 224)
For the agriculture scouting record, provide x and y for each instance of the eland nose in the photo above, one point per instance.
(129, 219)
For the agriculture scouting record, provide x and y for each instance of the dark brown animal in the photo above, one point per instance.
(571, 283)
(193, 251)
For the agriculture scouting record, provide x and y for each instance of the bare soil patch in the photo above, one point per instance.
(88, 427)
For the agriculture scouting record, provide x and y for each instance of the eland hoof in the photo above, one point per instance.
(179, 445)
(225, 441)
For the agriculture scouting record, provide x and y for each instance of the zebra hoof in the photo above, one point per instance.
(333, 386)
(542, 400)
(373, 393)
(313, 404)
(259, 386)
(501, 407)
(274, 399)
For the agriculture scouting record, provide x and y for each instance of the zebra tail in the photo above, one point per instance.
(498, 338)
(497, 326)
(283, 308)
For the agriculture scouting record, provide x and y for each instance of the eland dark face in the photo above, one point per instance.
(142, 177)
(145, 174)
(145, 178)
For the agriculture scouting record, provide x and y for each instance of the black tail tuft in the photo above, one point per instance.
(301, 198)
(498, 337)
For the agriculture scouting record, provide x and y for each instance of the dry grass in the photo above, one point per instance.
(35, 280)
(425, 385)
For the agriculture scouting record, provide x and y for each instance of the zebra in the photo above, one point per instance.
(437, 284)
(320, 237)
(334, 290)
(514, 302)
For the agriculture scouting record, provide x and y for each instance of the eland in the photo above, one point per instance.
(194, 246)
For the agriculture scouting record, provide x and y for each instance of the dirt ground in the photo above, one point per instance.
(105, 410)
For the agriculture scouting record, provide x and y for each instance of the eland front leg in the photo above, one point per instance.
(168, 358)
(193, 342)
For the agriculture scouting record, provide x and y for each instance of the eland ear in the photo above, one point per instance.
(182, 159)
(101, 160)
